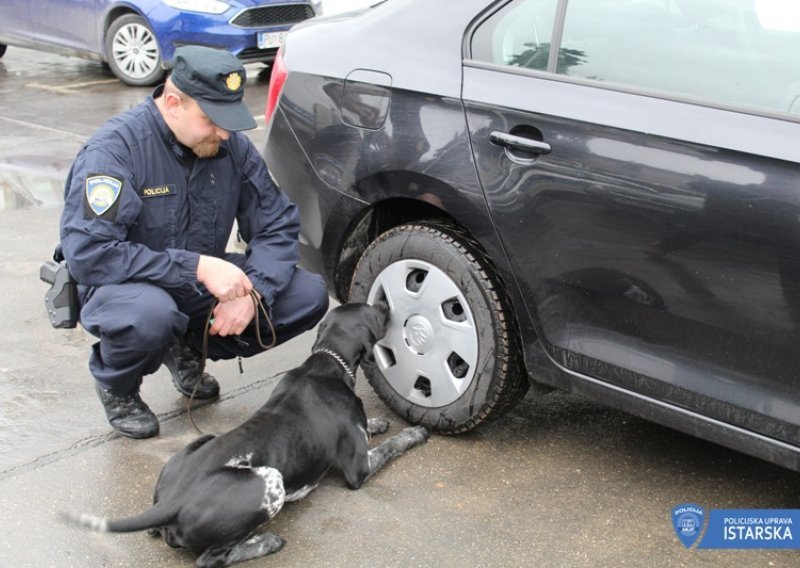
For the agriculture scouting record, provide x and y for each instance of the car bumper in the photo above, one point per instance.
(174, 29)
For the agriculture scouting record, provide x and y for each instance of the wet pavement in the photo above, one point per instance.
(559, 482)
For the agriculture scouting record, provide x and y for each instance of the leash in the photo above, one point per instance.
(260, 309)
(340, 360)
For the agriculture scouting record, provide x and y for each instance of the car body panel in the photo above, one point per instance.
(356, 163)
(15, 15)
(617, 269)
(63, 22)
(652, 257)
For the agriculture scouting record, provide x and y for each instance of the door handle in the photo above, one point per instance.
(519, 143)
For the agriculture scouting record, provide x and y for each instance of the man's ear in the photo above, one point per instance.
(172, 104)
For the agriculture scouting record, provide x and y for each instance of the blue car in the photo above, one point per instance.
(135, 36)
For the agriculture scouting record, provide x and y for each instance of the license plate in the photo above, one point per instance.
(267, 40)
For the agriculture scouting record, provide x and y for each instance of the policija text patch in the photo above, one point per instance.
(160, 191)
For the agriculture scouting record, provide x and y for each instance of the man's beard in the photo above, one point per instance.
(208, 147)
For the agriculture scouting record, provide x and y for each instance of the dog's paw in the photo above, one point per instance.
(417, 435)
(267, 543)
(377, 426)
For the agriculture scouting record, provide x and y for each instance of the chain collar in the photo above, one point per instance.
(340, 360)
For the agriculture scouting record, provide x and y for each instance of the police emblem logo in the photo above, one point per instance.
(102, 192)
(233, 81)
(687, 520)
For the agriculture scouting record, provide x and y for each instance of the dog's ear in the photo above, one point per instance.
(376, 317)
(379, 318)
(320, 332)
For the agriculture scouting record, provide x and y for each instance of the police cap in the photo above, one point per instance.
(215, 79)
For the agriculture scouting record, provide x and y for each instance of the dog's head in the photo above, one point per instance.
(352, 330)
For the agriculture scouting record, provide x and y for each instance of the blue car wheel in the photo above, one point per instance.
(132, 51)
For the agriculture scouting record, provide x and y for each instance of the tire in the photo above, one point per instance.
(2, 49)
(450, 359)
(132, 51)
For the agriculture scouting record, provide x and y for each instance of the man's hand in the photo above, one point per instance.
(231, 318)
(224, 280)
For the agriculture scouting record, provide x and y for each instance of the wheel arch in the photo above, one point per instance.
(392, 198)
(374, 220)
(389, 199)
(114, 14)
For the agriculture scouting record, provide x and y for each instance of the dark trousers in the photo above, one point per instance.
(137, 322)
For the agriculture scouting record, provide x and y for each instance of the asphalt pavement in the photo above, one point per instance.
(560, 481)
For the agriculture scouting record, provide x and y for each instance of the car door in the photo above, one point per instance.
(641, 165)
(15, 21)
(71, 24)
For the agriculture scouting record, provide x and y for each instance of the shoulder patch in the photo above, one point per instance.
(102, 193)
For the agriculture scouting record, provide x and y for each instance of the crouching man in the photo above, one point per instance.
(150, 203)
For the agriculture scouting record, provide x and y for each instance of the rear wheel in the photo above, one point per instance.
(2, 49)
(132, 51)
(450, 359)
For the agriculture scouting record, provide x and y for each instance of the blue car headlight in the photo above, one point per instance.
(202, 6)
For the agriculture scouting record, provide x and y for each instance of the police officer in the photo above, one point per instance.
(150, 203)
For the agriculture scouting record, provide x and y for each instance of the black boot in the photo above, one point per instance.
(184, 364)
(128, 415)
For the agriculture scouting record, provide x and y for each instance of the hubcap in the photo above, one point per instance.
(430, 351)
(135, 51)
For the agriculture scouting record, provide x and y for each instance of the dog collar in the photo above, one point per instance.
(340, 360)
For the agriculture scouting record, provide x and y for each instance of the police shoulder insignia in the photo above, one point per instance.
(233, 81)
(102, 193)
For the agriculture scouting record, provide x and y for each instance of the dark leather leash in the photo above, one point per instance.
(260, 309)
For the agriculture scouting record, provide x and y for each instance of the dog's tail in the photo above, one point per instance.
(152, 518)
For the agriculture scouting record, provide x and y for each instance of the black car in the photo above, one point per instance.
(601, 196)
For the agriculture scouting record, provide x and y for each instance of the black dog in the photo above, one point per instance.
(213, 495)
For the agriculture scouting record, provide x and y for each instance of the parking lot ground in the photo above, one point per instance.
(560, 481)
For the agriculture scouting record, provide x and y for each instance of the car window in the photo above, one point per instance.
(734, 52)
(518, 35)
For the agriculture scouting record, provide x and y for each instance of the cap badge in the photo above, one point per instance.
(233, 81)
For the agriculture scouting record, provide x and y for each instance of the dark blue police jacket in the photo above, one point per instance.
(137, 208)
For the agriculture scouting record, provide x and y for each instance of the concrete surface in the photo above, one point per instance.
(559, 482)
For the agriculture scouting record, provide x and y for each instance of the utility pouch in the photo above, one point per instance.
(61, 300)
